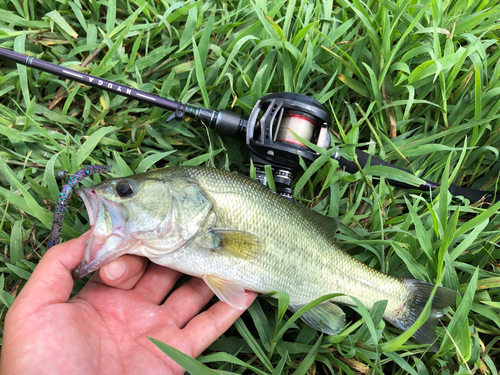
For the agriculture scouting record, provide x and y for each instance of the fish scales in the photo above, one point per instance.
(237, 234)
(292, 241)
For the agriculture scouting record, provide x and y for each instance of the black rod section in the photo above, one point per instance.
(91, 80)
(224, 122)
(472, 195)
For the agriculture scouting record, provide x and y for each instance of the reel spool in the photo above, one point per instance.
(271, 141)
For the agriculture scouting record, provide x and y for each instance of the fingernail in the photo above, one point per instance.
(249, 297)
(115, 270)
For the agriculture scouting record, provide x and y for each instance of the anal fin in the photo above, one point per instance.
(229, 291)
(326, 317)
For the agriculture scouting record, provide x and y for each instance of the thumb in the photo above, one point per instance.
(51, 281)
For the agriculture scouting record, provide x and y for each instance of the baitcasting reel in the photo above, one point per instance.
(269, 134)
(271, 137)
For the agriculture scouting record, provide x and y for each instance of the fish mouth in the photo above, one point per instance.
(107, 238)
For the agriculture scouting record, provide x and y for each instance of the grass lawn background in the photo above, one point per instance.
(415, 83)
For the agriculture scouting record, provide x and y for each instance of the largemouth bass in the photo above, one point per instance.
(236, 234)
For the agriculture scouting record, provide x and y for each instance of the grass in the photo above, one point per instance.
(412, 82)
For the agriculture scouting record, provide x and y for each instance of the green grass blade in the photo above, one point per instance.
(307, 362)
(62, 23)
(250, 340)
(261, 324)
(186, 362)
(458, 334)
(90, 144)
(200, 76)
(225, 357)
(16, 243)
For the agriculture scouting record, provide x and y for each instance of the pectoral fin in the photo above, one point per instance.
(229, 291)
(326, 317)
(237, 243)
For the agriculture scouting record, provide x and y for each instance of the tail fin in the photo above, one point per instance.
(418, 294)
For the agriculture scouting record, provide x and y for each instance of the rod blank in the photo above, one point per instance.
(87, 79)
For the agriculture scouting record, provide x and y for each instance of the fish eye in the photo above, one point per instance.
(125, 188)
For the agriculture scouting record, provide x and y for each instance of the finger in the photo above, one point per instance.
(208, 326)
(122, 273)
(156, 283)
(188, 300)
(51, 281)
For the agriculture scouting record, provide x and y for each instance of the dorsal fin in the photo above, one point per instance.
(328, 224)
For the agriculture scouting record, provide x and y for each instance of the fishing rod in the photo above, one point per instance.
(266, 131)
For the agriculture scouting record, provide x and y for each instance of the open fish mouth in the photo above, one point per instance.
(107, 240)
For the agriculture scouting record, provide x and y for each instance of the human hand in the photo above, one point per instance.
(104, 329)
